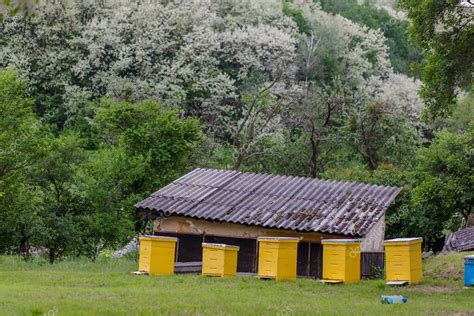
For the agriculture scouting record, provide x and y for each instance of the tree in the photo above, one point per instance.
(107, 180)
(445, 32)
(63, 206)
(438, 190)
(44, 54)
(348, 51)
(381, 124)
(153, 140)
(17, 6)
(263, 56)
(21, 137)
(403, 54)
(463, 114)
(20, 210)
(19, 126)
(75, 51)
(317, 115)
(445, 175)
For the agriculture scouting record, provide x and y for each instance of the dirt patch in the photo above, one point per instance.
(434, 289)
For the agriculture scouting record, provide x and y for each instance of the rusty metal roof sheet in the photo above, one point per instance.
(296, 203)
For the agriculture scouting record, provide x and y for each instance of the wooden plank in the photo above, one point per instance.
(246, 274)
(188, 267)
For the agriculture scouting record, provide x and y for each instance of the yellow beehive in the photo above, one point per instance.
(277, 257)
(403, 260)
(219, 259)
(157, 255)
(341, 260)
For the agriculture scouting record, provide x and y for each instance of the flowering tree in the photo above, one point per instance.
(263, 55)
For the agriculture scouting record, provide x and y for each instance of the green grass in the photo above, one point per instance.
(107, 288)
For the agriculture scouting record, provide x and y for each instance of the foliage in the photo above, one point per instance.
(150, 133)
(59, 197)
(156, 145)
(297, 16)
(382, 125)
(111, 100)
(62, 210)
(106, 179)
(20, 143)
(444, 30)
(403, 54)
(445, 178)
(463, 114)
(18, 126)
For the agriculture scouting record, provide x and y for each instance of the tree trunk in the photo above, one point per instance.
(25, 249)
(52, 255)
(239, 161)
(313, 170)
(138, 225)
(370, 158)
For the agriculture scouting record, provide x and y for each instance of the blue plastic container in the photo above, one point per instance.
(469, 270)
(393, 299)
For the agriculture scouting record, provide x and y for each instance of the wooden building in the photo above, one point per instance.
(235, 208)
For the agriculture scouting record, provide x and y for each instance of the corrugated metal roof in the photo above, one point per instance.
(303, 204)
(461, 240)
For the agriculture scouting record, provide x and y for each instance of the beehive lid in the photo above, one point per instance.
(341, 241)
(404, 240)
(276, 239)
(213, 245)
(469, 258)
(164, 238)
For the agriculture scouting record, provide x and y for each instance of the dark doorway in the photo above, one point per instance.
(310, 260)
(189, 246)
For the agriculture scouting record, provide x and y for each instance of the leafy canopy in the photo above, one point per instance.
(445, 31)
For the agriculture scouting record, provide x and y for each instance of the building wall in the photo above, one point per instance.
(181, 224)
(373, 241)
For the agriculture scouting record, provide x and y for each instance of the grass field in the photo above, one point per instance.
(107, 288)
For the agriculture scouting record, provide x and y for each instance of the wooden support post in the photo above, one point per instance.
(255, 261)
(309, 259)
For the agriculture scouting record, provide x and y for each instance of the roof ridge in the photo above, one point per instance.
(297, 177)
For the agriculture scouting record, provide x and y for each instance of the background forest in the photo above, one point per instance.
(104, 102)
